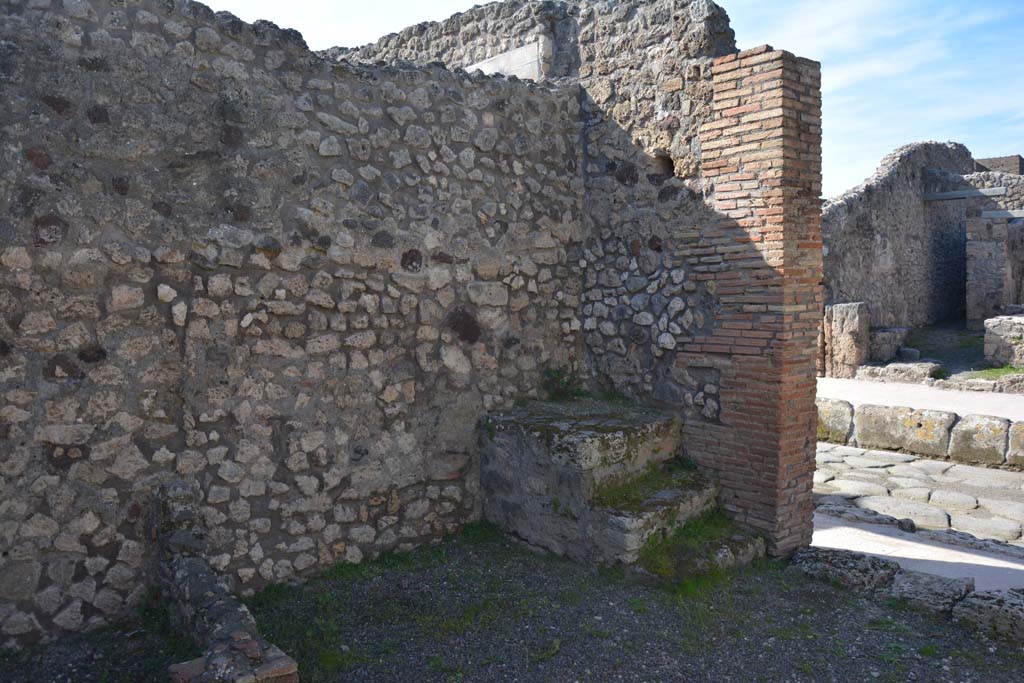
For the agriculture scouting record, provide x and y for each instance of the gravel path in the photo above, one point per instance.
(485, 609)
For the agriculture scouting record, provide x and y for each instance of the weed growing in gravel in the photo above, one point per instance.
(562, 385)
(549, 652)
(479, 532)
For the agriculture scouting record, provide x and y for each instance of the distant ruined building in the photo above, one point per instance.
(933, 236)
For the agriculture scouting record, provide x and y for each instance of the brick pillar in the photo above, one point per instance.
(761, 156)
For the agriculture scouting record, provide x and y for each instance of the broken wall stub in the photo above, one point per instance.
(845, 342)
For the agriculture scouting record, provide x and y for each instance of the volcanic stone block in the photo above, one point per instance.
(924, 432)
(924, 516)
(1015, 445)
(847, 339)
(835, 420)
(1004, 341)
(850, 569)
(981, 439)
(998, 612)
(928, 591)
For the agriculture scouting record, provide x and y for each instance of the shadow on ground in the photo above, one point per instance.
(483, 608)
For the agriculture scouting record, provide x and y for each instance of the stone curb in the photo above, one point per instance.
(999, 613)
(971, 439)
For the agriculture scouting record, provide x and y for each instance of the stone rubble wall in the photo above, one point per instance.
(1004, 341)
(995, 248)
(297, 283)
(888, 248)
(479, 34)
(657, 104)
(294, 282)
(973, 439)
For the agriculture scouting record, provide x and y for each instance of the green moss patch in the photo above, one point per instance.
(678, 474)
(685, 555)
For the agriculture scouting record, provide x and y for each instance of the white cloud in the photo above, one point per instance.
(895, 72)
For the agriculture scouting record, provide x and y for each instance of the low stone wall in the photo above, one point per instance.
(975, 439)
(203, 602)
(999, 613)
(1004, 341)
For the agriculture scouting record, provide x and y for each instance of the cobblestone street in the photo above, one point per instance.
(935, 494)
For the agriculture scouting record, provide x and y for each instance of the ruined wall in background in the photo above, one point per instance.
(294, 282)
(995, 247)
(885, 246)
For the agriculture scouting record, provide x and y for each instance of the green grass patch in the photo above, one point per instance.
(630, 495)
(996, 373)
(476, 533)
(661, 554)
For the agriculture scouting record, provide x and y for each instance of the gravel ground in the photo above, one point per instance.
(140, 649)
(959, 351)
(483, 608)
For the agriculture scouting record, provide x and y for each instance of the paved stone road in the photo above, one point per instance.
(920, 397)
(936, 494)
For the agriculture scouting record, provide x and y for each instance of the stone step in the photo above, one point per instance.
(602, 442)
(588, 480)
(705, 544)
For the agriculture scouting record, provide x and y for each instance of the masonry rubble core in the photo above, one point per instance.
(294, 284)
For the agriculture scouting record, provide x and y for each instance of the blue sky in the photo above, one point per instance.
(894, 71)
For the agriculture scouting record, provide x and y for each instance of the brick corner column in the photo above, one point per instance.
(762, 165)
